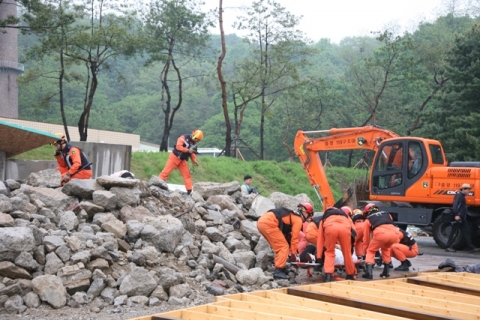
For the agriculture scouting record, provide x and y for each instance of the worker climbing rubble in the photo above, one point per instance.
(72, 162)
(185, 148)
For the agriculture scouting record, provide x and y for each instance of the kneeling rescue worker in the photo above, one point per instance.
(336, 227)
(72, 162)
(280, 227)
(385, 234)
(184, 149)
(406, 248)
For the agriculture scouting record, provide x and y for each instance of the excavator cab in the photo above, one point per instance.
(399, 164)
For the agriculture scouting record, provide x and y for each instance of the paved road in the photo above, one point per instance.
(433, 255)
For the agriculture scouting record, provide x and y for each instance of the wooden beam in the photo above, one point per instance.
(434, 304)
(444, 286)
(233, 313)
(416, 290)
(399, 312)
(470, 279)
(194, 315)
(283, 310)
(275, 298)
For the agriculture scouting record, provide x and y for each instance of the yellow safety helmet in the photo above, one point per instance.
(61, 140)
(197, 135)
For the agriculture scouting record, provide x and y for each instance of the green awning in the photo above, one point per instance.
(16, 139)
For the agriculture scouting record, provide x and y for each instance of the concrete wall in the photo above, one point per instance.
(106, 158)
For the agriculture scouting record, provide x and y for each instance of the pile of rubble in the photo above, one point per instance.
(121, 242)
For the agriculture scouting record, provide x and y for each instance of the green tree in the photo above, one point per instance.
(176, 31)
(102, 31)
(277, 53)
(50, 22)
(389, 67)
(458, 121)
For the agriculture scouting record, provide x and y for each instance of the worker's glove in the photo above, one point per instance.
(191, 150)
(195, 163)
(294, 258)
(57, 153)
(66, 178)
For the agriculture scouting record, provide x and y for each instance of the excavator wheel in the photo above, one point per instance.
(441, 231)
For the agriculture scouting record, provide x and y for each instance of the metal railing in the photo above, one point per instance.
(10, 65)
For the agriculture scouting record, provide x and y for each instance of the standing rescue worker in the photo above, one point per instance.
(184, 149)
(335, 226)
(459, 208)
(280, 227)
(358, 220)
(385, 234)
(406, 248)
(72, 162)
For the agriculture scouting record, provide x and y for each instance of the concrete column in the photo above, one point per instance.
(9, 66)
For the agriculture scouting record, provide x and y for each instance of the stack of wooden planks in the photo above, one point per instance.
(424, 296)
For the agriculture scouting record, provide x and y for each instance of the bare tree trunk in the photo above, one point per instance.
(83, 121)
(223, 84)
(167, 108)
(262, 129)
(60, 85)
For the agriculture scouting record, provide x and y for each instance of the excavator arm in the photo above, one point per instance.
(307, 148)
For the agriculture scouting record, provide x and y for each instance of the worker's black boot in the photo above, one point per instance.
(328, 277)
(280, 274)
(368, 272)
(447, 263)
(386, 271)
(404, 266)
(350, 277)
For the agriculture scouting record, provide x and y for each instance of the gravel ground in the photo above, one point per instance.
(432, 256)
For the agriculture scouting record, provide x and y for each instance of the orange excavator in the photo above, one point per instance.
(409, 176)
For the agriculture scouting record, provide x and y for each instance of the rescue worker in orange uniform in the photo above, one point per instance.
(358, 220)
(302, 239)
(280, 227)
(72, 162)
(406, 248)
(335, 227)
(184, 149)
(385, 234)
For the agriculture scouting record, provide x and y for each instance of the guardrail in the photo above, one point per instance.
(10, 65)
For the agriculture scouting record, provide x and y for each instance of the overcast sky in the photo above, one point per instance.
(337, 19)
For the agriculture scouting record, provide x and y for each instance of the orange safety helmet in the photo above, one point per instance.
(347, 210)
(197, 135)
(370, 208)
(305, 206)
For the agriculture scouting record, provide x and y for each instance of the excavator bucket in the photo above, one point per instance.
(356, 192)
